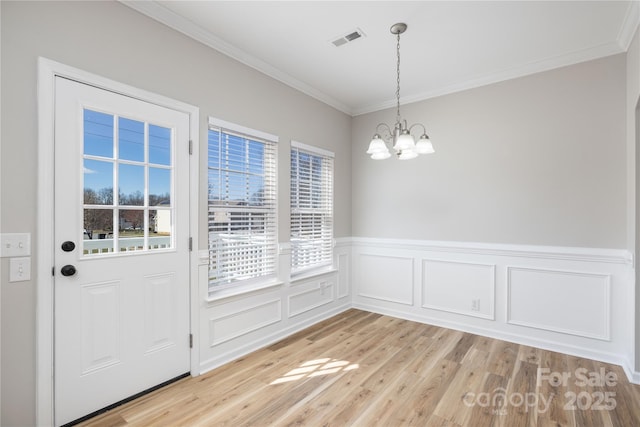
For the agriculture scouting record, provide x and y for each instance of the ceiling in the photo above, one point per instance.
(449, 45)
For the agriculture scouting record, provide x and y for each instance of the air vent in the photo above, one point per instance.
(349, 37)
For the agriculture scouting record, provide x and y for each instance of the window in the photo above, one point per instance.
(311, 207)
(242, 205)
(127, 180)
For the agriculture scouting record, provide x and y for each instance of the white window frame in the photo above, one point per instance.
(222, 290)
(326, 210)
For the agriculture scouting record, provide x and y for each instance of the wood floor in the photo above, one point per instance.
(365, 369)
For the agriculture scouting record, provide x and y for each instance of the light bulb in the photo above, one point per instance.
(424, 145)
(407, 154)
(377, 145)
(381, 155)
(404, 141)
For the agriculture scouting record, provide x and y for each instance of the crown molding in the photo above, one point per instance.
(165, 16)
(546, 64)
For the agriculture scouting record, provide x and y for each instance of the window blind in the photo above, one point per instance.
(241, 207)
(311, 208)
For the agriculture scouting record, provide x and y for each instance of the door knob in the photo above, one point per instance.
(68, 246)
(68, 270)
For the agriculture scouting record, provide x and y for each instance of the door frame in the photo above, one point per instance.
(48, 70)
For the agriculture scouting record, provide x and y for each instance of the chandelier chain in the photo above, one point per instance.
(398, 118)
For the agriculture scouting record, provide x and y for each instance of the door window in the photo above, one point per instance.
(128, 185)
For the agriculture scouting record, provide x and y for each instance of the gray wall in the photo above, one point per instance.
(112, 40)
(536, 160)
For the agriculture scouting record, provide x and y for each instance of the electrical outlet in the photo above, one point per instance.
(475, 304)
(20, 269)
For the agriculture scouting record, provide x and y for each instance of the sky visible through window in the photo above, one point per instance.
(236, 168)
(110, 140)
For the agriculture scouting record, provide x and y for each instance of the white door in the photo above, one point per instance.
(121, 248)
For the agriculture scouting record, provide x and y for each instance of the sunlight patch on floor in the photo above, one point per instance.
(315, 368)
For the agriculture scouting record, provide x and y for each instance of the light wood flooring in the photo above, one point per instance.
(365, 369)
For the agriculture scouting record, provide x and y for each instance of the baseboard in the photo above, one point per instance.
(632, 375)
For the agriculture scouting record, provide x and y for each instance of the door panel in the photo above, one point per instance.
(122, 197)
(100, 329)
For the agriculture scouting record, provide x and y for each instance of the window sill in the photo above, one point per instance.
(305, 275)
(241, 290)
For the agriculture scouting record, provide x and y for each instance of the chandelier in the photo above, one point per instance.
(400, 137)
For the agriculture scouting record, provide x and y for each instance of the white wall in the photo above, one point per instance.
(112, 40)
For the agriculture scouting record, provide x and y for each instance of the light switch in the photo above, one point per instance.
(15, 244)
(20, 269)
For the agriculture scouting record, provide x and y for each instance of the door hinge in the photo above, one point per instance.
(53, 271)
(190, 146)
(190, 340)
(190, 243)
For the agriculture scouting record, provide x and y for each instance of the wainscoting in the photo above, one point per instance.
(235, 325)
(571, 300)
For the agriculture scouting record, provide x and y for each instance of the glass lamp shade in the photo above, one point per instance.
(381, 155)
(424, 145)
(407, 154)
(405, 141)
(377, 145)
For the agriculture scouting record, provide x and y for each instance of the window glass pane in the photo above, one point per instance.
(255, 158)
(159, 187)
(215, 149)
(131, 185)
(98, 231)
(256, 190)
(131, 223)
(236, 159)
(131, 230)
(236, 188)
(215, 190)
(159, 145)
(130, 139)
(98, 182)
(160, 229)
(98, 134)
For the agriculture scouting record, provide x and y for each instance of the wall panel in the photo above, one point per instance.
(569, 302)
(344, 274)
(320, 294)
(387, 278)
(459, 287)
(236, 324)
